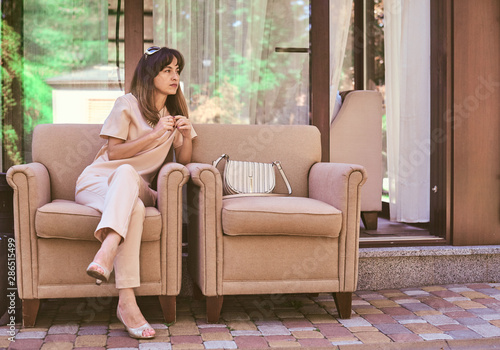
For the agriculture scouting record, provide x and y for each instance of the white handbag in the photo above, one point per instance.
(250, 178)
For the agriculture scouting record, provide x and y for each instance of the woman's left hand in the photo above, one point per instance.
(184, 125)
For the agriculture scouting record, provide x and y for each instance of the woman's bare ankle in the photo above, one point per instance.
(105, 256)
(129, 309)
(126, 297)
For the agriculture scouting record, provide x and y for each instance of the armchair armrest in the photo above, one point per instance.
(203, 174)
(339, 185)
(171, 178)
(204, 194)
(334, 183)
(31, 185)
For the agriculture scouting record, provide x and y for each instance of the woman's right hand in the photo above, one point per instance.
(164, 125)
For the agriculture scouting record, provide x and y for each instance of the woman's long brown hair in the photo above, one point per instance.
(142, 86)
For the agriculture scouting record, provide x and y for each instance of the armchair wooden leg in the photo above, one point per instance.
(370, 219)
(168, 307)
(343, 302)
(214, 306)
(30, 311)
(197, 293)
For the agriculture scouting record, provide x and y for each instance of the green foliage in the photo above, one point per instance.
(62, 35)
(11, 72)
(10, 144)
(59, 36)
(222, 107)
(37, 98)
(11, 65)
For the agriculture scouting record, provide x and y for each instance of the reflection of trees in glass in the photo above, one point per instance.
(286, 97)
(244, 70)
(222, 107)
(59, 37)
(347, 75)
(377, 40)
(62, 35)
(375, 47)
(11, 71)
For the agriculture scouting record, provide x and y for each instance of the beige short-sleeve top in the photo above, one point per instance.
(126, 122)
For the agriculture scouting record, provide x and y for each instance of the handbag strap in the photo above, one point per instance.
(217, 161)
(280, 169)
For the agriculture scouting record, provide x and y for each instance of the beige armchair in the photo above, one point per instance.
(304, 243)
(54, 235)
(356, 137)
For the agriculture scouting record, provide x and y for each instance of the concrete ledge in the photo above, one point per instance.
(406, 267)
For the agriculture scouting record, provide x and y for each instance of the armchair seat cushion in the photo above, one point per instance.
(68, 220)
(290, 216)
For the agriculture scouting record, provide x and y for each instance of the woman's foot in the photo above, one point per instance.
(102, 265)
(130, 315)
(100, 273)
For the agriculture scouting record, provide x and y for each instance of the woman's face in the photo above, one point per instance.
(167, 81)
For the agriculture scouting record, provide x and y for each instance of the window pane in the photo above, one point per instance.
(69, 75)
(234, 73)
(66, 61)
(347, 75)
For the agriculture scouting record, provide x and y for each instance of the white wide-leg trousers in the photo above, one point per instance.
(121, 198)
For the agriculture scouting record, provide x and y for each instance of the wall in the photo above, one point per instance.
(476, 124)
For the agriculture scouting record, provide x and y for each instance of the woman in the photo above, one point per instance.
(140, 130)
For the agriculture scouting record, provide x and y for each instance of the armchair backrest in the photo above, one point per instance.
(297, 147)
(65, 150)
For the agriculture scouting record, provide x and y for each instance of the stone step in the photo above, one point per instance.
(405, 267)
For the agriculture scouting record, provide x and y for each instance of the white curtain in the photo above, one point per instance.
(233, 74)
(340, 19)
(407, 64)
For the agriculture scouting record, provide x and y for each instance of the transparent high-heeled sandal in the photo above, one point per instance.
(134, 332)
(100, 277)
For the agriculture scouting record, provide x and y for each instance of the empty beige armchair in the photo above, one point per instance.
(356, 137)
(304, 243)
(54, 235)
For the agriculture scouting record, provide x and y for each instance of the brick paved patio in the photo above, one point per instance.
(436, 317)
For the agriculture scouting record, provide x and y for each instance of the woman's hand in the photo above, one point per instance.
(164, 125)
(121, 149)
(183, 153)
(183, 125)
